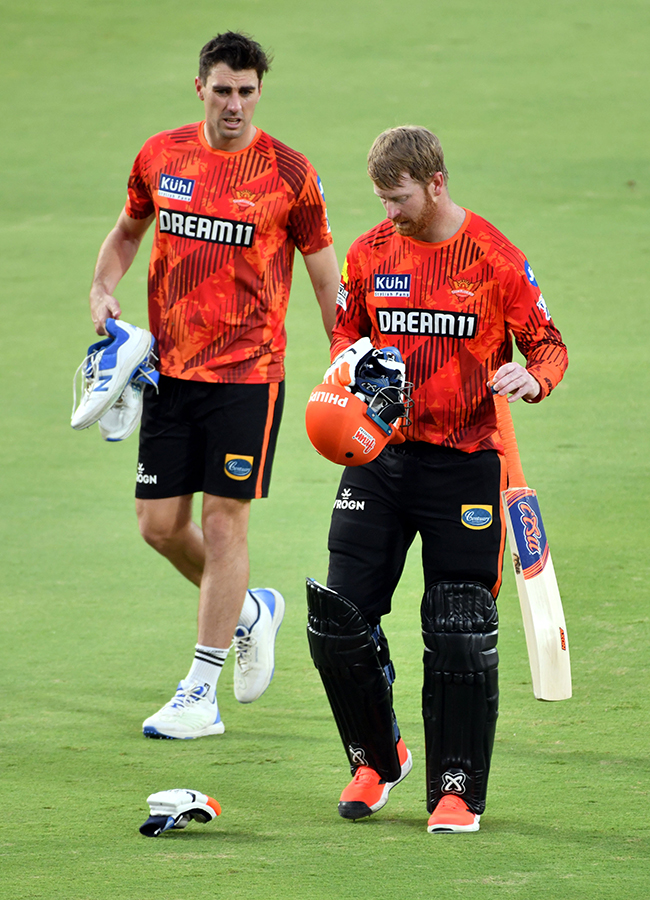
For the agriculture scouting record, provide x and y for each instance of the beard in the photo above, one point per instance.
(413, 227)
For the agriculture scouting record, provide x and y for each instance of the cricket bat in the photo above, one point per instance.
(539, 596)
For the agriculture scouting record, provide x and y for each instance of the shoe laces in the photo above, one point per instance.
(89, 369)
(243, 644)
(187, 696)
(366, 775)
(145, 374)
(452, 801)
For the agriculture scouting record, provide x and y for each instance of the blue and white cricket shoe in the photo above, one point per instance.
(189, 714)
(108, 368)
(255, 648)
(123, 417)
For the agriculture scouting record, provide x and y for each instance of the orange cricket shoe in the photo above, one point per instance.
(367, 792)
(452, 815)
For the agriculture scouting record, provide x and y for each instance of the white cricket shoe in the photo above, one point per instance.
(108, 368)
(255, 648)
(121, 420)
(189, 714)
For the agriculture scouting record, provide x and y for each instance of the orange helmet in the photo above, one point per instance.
(344, 429)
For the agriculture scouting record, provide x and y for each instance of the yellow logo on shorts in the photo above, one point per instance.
(476, 517)
(238, 467)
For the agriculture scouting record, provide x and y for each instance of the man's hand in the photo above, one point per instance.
(515, 382)
(343, 369)
(102, 306)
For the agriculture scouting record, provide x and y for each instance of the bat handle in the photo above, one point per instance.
(506, 428)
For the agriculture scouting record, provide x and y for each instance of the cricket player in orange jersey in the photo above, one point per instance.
(230, 204)
(446, 292)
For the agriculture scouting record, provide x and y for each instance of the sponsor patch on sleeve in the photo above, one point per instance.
(530, 275)
(342, 297)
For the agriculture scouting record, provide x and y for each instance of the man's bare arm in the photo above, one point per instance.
(325, 277)
(115, 257)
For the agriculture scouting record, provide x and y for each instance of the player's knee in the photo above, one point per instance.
(460, 628)
(158, 535)
(159, 527)
(224, 522)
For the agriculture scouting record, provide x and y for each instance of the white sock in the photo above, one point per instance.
(250, 612)
(206, 667)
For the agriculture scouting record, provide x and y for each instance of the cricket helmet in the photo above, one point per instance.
(345, 429)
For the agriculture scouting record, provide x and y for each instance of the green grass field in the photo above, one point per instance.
(542, 108)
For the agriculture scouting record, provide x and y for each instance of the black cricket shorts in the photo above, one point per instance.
(215, 438)
(450, 497)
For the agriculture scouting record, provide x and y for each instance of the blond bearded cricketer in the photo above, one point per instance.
(438, 289)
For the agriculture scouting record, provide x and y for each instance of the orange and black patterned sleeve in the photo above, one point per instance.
(536, 335)
(308, 221)
(352, 319)
(139, 202)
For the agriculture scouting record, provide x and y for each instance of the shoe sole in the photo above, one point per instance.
(150, 731)
(276, 622)
(451, 828)
(356, 809)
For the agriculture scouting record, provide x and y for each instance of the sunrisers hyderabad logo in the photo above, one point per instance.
(244, 198)
(462, 287)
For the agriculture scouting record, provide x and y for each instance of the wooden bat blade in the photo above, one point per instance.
(539, 596)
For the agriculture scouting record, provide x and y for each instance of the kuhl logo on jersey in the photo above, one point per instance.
(206, 228)
(439, 323)
(392, 285)
(175, 188)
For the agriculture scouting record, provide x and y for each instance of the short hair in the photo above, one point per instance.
(408, 149)
(239, 51)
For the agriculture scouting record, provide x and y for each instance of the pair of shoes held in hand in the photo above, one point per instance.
(114, 374)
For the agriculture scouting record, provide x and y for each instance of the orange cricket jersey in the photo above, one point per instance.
(451, 309)
(227, 225)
